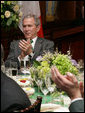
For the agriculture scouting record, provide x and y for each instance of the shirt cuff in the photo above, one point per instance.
(31, 55)
(76, 99)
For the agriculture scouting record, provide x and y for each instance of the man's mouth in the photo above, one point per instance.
(27, 33)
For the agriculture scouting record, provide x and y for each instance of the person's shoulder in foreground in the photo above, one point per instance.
(77, 106)
(12, 96)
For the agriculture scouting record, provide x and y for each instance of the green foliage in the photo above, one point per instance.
(64, 64)
(42, 66)
(10, 14)
(36, 64)
(61, 61)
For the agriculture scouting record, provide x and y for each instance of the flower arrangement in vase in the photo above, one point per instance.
(40, 71)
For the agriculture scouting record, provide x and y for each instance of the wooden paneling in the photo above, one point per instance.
(75, 43)
(66, 10)
(7, 36)
(72, 39)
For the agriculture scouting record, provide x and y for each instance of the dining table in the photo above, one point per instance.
(49, 103)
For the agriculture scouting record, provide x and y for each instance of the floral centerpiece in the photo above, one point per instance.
(40, 71)
(10, 14)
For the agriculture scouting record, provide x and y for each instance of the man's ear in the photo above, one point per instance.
(38, 28)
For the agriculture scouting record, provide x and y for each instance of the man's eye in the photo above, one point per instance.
(27, 26)
(24, 26)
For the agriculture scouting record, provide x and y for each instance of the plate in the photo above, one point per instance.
(26, 72)
(23, 82)
(29, 90)
(53, 108)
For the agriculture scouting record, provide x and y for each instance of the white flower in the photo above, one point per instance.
(2, 2)
(7, 14)
(16, 8)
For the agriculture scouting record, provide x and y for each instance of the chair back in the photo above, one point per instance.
(34, 107)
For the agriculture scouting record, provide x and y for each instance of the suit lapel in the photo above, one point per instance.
(17, 47)
(37, 47)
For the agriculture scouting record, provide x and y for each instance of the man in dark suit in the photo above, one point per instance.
(70, 85)
(24, 49)
(13, 98)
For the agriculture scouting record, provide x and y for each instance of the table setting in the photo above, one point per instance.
(49, 103)
(36, 80)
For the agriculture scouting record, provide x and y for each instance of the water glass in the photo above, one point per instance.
(22, 64)
(13, 71)
(27, 64)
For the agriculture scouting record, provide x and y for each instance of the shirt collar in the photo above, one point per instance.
(34, 41)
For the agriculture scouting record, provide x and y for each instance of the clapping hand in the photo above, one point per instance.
(26, 47)
(67, 83)
(81, 86)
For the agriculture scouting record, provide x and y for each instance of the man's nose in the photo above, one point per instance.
(27, 28)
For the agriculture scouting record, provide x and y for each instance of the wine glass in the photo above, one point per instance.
(48, 83)
(45, 91)
(39, 84)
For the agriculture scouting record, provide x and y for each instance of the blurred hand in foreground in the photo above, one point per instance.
(67, 83)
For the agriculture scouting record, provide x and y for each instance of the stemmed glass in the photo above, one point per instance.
(45, 91)
(39, 84)
(48, 83)
(38, 81)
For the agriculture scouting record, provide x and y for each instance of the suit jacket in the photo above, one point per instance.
(12, 96)
(41, 45)
(77, 106)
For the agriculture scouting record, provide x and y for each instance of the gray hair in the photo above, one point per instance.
(37, 20)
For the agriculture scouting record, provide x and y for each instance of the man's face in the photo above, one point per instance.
(29, 28)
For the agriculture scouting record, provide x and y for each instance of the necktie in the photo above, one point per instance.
(31, 55)
(31, 41)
